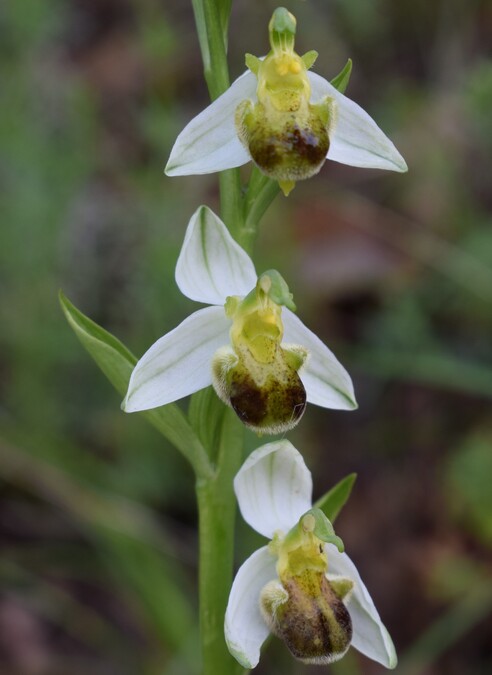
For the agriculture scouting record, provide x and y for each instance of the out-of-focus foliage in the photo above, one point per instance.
(97, 520)
(469, 491)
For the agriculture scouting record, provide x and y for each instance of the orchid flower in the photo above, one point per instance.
(300, 587)
(284, 118)
(260, 358)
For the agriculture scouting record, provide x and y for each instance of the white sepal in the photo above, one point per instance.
(245, 630)
(273, 488)
(356, 138)
(326, 381)
(179, 363)
(210, 142)
(370, 636)
(211, 264)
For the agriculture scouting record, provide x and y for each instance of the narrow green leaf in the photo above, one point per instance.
(117, 363)
(333, 501)
(111, 355)
(341, 81)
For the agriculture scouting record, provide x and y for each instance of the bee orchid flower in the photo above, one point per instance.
(285, 119)
(301, 587)
(260, 358)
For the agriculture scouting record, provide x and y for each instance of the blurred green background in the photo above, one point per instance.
(394, 272)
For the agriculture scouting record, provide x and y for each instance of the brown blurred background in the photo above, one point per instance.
(394, 272)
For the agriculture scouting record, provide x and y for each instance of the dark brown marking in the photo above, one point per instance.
(276, 405)
(316, 627)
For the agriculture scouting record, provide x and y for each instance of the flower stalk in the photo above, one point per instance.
(215, 495)
(217, 511)
(216, 72)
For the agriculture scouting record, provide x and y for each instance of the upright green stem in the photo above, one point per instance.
(217, 511)
(215, 493)
(261, 192)
(215, 64)
(240, 214)
(231, 203)
(216, 71)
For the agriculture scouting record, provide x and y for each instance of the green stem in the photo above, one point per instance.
(240, 215)
(216, 71)
(215, 493)
(231, 203)
(212, 45)
(217, 510)
(261, 193)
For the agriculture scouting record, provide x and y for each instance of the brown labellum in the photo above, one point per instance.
(312, 621)
(275, 406)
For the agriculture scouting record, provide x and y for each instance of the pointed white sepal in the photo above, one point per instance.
(245, 629)
(370, 636)
(211, 264)
(210, 142)
(179, 363)
(356, 139)
(273, 488)
(326, 381)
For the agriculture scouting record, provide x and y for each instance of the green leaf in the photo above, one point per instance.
(333, 501)
(117, 363)
(112, 357)
(341, 81)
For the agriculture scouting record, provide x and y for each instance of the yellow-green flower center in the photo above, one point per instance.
(303, 608)
(257, 375)
(286, 135)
